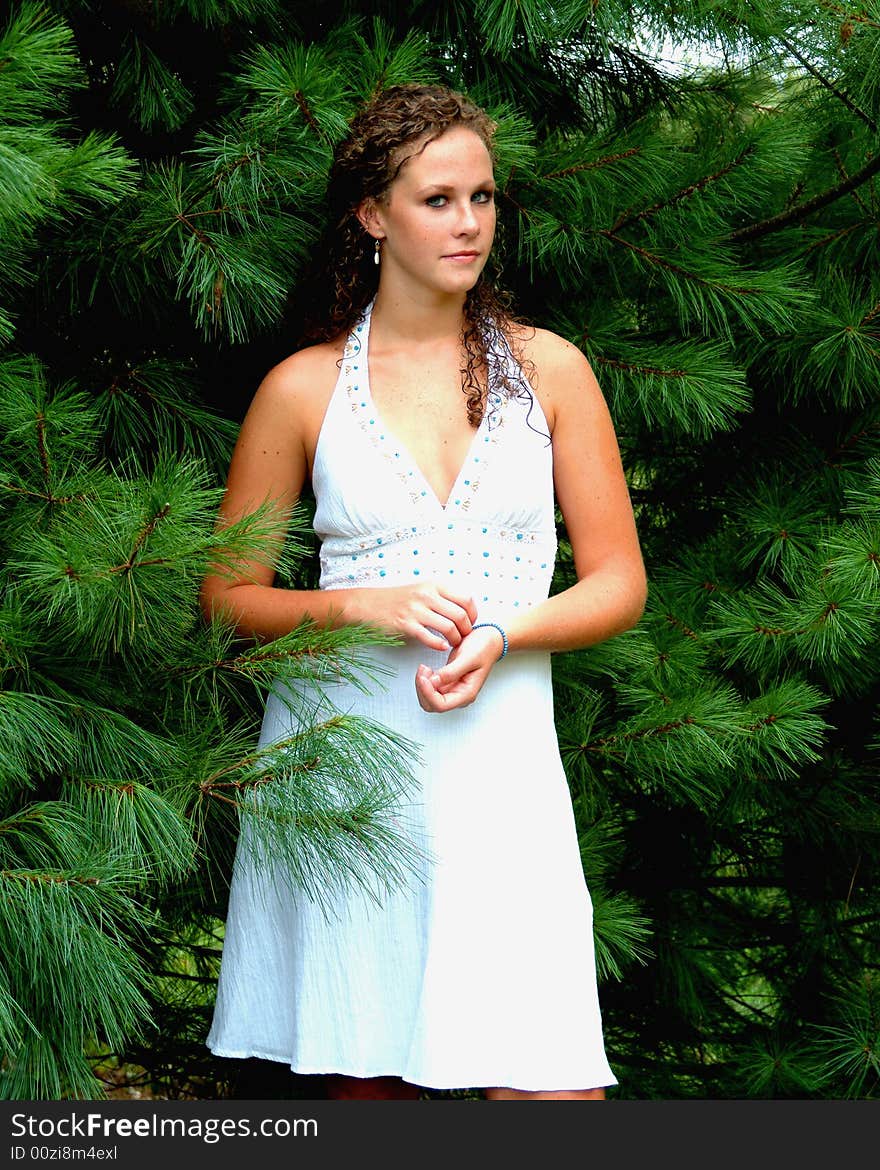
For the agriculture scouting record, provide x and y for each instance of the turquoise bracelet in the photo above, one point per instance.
(494, 626)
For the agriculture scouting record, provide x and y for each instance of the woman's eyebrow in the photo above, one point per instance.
(442, 188)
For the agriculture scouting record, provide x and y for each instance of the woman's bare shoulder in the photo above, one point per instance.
(289, 404)
(546, 349)
(558, 370)
(305, 373)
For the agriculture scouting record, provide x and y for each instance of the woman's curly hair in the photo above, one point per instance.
(364, 166)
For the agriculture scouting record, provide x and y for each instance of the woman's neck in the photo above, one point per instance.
(405, 320)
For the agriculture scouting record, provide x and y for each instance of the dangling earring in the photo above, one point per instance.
(376, 260)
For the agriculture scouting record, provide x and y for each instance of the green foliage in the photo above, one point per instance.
(153, 94)
(707, 233)
(43, 176)
(850, 1046)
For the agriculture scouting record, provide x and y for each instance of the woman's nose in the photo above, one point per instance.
(467, 219)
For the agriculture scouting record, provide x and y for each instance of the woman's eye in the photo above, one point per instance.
(442, 200)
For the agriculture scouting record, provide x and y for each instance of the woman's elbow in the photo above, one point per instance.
(640, 600)
(633, 599)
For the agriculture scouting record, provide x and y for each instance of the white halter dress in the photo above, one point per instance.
(482, 974)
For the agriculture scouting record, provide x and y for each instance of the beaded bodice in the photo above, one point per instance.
(380, 523)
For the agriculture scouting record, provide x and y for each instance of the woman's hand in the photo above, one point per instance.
(458, 683)
(430, 614)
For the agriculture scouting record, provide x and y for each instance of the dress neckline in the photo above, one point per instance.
(396, 453)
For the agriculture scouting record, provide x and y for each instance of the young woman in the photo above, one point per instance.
(435, 431)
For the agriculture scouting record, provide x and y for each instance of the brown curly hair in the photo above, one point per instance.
(365, 165)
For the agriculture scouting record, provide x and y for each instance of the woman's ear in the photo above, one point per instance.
(370, 219)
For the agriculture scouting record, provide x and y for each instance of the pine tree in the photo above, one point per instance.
(707, 234)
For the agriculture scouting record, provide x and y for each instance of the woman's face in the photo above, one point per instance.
(437, 219)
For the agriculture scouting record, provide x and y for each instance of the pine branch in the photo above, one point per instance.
(38, 62)
(628, 218)
(679, 624)
(844, 174)
(657, 261)
(802, 211)
(302, 102)
(580, 168)
(828, 84)
(47, 496)
(840, 234)
(44, 454)
(871, 314)
(128, 820)
(324, 808)
(634, 368)
(142, 537)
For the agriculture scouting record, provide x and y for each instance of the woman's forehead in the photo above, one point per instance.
(455, 150)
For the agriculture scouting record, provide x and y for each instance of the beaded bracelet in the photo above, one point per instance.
(494, 626)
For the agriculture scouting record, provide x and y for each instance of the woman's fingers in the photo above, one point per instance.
(462, 601)
(458, 683)
(434, 700)
(440, 619)
(428, 613)
(455, 615)
(428, 635)
(426, 691)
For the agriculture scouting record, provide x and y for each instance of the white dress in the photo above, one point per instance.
(483, 974)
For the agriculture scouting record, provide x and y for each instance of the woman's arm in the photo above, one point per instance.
(270, 464)
(610, 592)
(611, 589)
